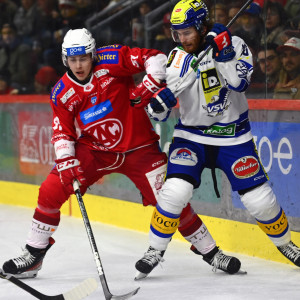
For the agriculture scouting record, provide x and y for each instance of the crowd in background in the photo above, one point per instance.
(32, 32)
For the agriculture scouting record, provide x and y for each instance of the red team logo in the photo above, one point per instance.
(109, 131)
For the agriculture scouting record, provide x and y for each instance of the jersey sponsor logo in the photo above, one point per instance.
(177, 64)
(108, 132)
(106, 82)
(171, 58)
(218, 130)
(67, 95)
(211, 84)
(56, 91)
(108, 57)
(183, 156)
(96, 112)
(245, 167)
(101, 72)
(76, 51)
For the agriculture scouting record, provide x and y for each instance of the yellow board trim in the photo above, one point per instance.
(230, 235)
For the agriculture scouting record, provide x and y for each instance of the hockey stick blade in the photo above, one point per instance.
(79, 292)
(121, 297)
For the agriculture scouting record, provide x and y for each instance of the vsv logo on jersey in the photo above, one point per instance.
(75, 51)
(219, 103)
(96, 112)
(56, 91)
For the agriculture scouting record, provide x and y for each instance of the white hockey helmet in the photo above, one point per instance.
(77, 42)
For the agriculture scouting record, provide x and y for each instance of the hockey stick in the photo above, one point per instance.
(79, 292)
(196, 63)
(90, 234)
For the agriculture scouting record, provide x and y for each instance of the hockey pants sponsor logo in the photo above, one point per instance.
(183, 156)
(245, 167)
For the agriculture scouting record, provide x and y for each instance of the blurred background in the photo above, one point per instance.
(32, 32)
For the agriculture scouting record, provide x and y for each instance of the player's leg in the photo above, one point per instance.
(190, 225)
(247, 176)
(46, 218)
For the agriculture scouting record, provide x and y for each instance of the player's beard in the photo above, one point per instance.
(194, 46)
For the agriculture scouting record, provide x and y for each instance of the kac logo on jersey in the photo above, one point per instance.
(93, 100)
(76, 51)
(96, 112)
(56, 91)
(183, 156)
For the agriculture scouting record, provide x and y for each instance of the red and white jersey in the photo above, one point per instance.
(101, 107)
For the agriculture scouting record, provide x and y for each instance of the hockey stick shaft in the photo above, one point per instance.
(90, 234)
(196, 63)
(81, 291)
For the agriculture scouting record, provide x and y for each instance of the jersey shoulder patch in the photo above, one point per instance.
(108, 55)
(171, 57)
(57, 89)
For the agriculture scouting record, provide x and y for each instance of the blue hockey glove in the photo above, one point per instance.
(162, 100)
(220, 39)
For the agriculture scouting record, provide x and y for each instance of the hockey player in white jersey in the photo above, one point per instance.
(213, 130)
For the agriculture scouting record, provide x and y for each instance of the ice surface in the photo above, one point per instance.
(183, 275)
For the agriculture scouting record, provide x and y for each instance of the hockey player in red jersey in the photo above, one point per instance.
(115, 137)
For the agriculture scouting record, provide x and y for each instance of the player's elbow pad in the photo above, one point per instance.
(241, 87)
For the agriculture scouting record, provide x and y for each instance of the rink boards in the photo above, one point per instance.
(231, 235)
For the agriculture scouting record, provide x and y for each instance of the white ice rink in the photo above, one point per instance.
(183, 274)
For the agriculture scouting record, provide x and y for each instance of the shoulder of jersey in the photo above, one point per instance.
(62, 90)
(108, 54)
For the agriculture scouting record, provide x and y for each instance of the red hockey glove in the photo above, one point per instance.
(141, 95)
(69, 169)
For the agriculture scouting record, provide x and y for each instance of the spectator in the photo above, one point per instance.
(288, 86)
(234, 7)
(45, 79)
(251, 26)
(25, 20)
(292, 8)
(219, 14)
(274, 23)
(138, 24)
(4, 84)
(14, 58)
(7, 12)
(269, 64)
(164, 41)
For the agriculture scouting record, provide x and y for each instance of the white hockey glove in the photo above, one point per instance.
(141, 95)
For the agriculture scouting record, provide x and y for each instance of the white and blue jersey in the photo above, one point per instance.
(212, 103)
